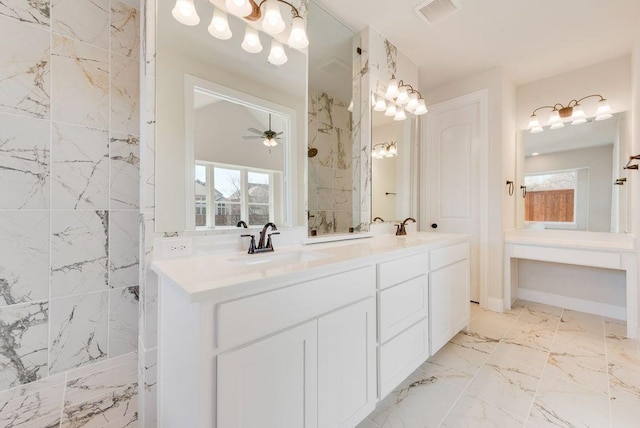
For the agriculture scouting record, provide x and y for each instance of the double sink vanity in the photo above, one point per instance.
(306, 335)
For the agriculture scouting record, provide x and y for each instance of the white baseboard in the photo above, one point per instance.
(495, 305)
(580, 305)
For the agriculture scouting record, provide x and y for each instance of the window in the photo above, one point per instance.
(551, 197)
(233, 193)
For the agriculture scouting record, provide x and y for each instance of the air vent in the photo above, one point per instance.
(433, 11)
(334, 66)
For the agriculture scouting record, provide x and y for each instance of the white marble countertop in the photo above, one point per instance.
(233, 274)
(573, 239)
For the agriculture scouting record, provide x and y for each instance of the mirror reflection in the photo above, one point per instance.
(333, 177)
(209, 127)
(569, 176)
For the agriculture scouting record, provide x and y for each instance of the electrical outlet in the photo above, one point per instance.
(178, 247)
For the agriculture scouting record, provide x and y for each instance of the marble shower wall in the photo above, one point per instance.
(69, 212)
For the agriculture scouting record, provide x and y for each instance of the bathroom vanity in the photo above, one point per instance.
(306, 336)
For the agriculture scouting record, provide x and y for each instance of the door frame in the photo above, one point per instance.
(481, 98)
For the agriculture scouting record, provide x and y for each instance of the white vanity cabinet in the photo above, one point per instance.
(449, 293)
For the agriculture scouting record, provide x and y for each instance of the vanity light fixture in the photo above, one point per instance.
(277, 56)
(400, 114)
(185, 12)
(385, 150)
(573, 110)
(391, 110)
(380, 104)
(404, 94)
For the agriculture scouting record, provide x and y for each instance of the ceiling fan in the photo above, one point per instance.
(269, 137)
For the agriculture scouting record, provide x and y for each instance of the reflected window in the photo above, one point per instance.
(233, 193)
(551, 197)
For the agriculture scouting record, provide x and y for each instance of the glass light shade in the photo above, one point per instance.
(219, 27)
(381, 152)
(421, 109)
(533, 123)
(413, 102)
(251, 42)
(392, 89)
(185, 12)
(555, 121)
(536, 129)
(557, 125)
(277, 56)
(387, 153)
(239, 8)
(393, 150)
(380, 104)
(403, 96)
(400, 115)
(272, 21)
(604, 110)
(350, 108)
(391, 110)
(298, 38)
(578, 115)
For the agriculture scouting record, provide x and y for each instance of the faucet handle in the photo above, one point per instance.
(252, 244)
(269, 243)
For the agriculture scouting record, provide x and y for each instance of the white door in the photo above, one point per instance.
(451, 172)
(347, 365)
(271, 383)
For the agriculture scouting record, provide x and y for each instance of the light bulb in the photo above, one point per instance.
(219, 27)
(239, 8)
(272, 21)
(185, 12)
(298, 38)
(555, 121)
(604, 110)
(413, 102)
(393, 150)
(380, 104)
(277, 56)
(392, 89)
(421, 109)
(578, 115)
(251, 42)
(400, 115)
(403, 96)
(391, 110)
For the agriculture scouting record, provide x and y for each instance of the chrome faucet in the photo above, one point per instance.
(400, 228)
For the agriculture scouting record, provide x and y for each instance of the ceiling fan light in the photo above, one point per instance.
(380, 104)
(267, 142)
(185, 13)
(239, 8)
(298, 38)
(604, 110)
(277, 55)
(578, 115)
(392, 89)
(391, 110)
(400, 115)
(251, 42)
(403, 96)
(413, 102)
(422, 108)
(219, 27)
(272, 21)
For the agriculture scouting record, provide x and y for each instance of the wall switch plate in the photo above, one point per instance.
(176, 247)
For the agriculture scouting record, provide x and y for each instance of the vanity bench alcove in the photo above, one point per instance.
(587, 249)
(307, 336)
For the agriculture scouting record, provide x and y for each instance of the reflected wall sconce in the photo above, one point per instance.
(573, 111)
(404, 96)
(272, 23)
(385, 150)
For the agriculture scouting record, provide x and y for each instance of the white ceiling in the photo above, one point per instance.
(529, 39)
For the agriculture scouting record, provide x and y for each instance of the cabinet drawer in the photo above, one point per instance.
(448, 255)
(402, 306)
(247, 319)
(396, 271)
(402, 355)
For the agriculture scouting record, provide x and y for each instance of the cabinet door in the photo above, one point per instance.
(347, 365)
(271, 383)
(448, 303)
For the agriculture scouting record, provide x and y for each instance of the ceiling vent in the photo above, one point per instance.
(334, 66)
(433, 11)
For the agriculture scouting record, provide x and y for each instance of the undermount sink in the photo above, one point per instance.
(278, 258)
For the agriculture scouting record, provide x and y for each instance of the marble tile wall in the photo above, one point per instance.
(69, 212)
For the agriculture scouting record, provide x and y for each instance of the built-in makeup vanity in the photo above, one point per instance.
(588, 249)
(305, 336)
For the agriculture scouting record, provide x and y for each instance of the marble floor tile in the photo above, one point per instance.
(532, 357)
(491, 324)
(565, 404)
(506, 384)
(475, 341)
(471, 411)
(580, 341)
(455, 364)
(530, 334)
(622, 349)
(476, 310)
(582, 367)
